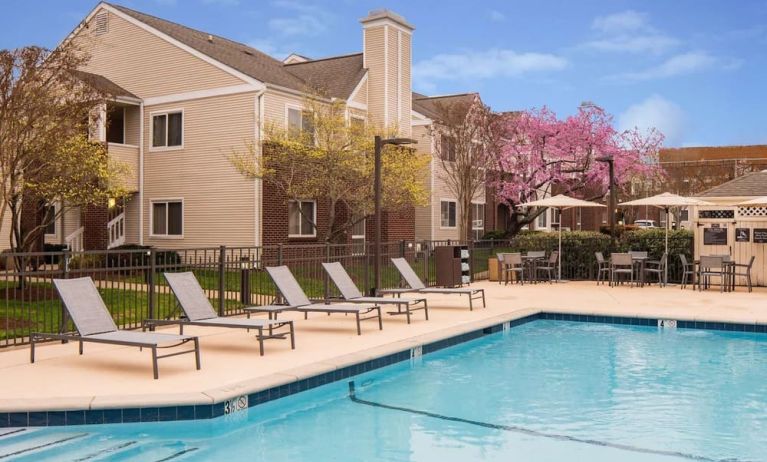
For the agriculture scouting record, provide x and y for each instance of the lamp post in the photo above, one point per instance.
(610, 161)
(379, 144)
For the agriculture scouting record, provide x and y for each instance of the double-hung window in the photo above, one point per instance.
(168, 218)
(300, 122)
(302, 215)
(168, 130)
(447, 214)
(477, 220)
(447, 148)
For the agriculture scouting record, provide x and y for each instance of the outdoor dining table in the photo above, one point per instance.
(531, 261)
(639, 260)
(728, 265)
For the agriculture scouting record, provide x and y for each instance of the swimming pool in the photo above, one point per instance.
(545, 390)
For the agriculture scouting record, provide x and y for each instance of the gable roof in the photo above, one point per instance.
(255, 63)
(432, 106)
(338, 75)
(751, 184)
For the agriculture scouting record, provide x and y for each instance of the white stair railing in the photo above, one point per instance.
(75, 240)
(116, 231)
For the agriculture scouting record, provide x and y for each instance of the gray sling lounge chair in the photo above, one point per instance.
(352, 294)
(416, 285)
(199, 312)
(94, 324)
(298, 301)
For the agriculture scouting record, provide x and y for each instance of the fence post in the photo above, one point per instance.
(402, 248)
(426, 250)
(325, 283)
(279, 254)
(221, 278)
(151, 281)
(471, 260)
(64, 275)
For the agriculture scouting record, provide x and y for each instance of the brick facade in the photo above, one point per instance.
(95, 218)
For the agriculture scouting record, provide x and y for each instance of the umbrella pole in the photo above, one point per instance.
(559, 259)
(665, 268)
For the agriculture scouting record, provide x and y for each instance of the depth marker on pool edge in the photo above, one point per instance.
(527, 431)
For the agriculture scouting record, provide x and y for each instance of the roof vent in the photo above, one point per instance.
(210, 38)
(101, 23)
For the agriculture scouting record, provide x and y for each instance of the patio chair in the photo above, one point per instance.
(296, 299)
(603, 268)
(416, 285)
(94, 324)
(712, 266)
(744, 270)
(199, 312)
(550, 267)
(352, 294)
(687, 270)
(531, 260)
(658, 268)
(621, 263)
(511, 263)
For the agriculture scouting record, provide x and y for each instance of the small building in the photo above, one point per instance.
(728, 228)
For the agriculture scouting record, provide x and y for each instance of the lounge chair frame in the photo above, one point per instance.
(202, 313)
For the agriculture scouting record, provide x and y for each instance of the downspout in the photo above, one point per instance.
(141, 175)
(259, 185)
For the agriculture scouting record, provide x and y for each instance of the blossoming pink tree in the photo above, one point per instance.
(540, 153)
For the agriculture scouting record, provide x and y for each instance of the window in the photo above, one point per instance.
(684, 215)
(447, 214)
(477, 220)
(543, 220)
(358, 237)
(49, 219)
(116, 124)
(357, 123)
(168, 218)
(300, 121)
(301, 218)
(447, 148)
(168, 130)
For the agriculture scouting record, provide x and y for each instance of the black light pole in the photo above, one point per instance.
(611, 163)
(379, 144)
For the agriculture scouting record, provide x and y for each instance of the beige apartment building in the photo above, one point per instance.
(184, 99)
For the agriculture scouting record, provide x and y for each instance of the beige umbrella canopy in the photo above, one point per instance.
(755, 202)
(561, 202)
(665, 201)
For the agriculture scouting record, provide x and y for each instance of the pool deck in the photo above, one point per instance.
(109, 376)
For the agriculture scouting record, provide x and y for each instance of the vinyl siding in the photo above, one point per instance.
(146, 64)
(132, 204)
(405, 91)
(391, 76)
(374, 57)
(274, 107)
(132, 125)
(361, 96)
(423, 221)
(219, 203)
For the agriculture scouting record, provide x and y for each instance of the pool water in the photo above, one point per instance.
(546, 390)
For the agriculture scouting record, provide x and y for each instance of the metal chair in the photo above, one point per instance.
(711, 266)
(603, 267)
(746, 271)
(621, 263)
(658, 267)
(687, 270)
(550, 267)
(512, 263)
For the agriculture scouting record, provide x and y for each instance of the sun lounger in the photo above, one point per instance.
(352, 294)
(94, 324)
(199, 312)
(298, 301)
(416, 285)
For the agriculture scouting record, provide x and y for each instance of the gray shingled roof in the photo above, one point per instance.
(431, 106)
(102, 83)
(259, 65)
(751, 184)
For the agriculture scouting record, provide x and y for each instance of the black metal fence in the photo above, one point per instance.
(132, 285)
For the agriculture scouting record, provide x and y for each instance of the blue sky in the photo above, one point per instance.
(695, 69)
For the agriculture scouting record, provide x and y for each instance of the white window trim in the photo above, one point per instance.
(151, 218)
(151, 130)
(56, 222)
(483, 216)
(314, 219)
(288, 107)
(361, 236)
(441, 200)
(358, 117)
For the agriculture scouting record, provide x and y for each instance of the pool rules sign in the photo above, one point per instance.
(760, 235)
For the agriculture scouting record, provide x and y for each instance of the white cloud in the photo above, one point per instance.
(624, 21)
(307, 20)
(628, 31)
(483, 65)
(279, 50)
(497, 16)
(681, 64)
(656, 112)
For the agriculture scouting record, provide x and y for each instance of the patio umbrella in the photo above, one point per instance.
(665, 201)
(560, 202)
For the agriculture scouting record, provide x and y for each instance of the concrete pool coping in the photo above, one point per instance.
(496, 295)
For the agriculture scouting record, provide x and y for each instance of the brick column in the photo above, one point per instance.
(95, 219)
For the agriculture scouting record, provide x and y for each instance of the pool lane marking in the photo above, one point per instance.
(527, 431)
(41, 446)
(178, 454)
(108, 450)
